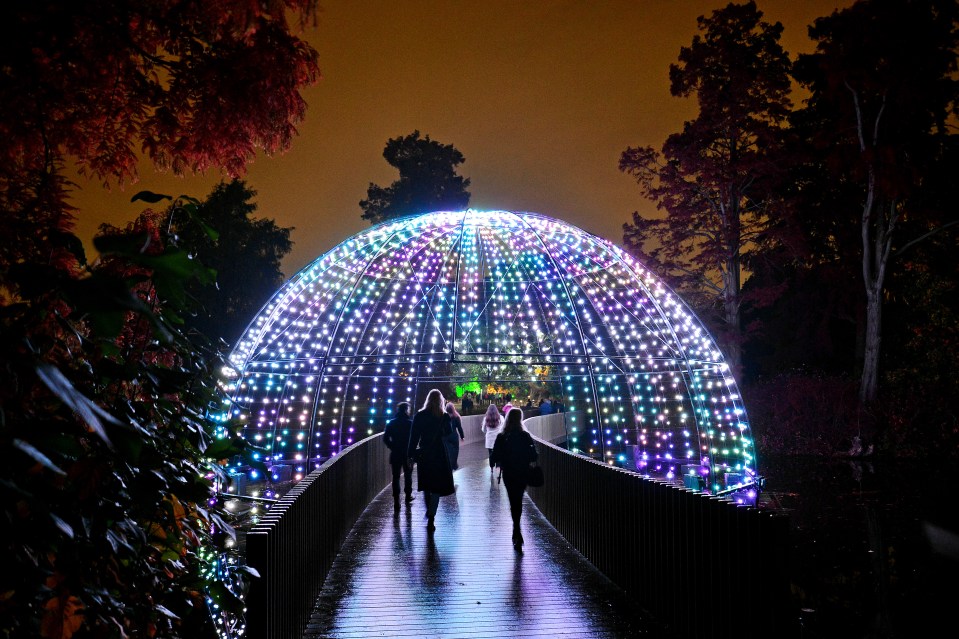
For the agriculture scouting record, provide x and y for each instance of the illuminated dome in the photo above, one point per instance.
(490, 302)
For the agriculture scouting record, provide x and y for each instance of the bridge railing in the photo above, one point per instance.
(294, 544)
(705, 566)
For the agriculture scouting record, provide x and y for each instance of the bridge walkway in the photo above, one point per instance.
(465, 581)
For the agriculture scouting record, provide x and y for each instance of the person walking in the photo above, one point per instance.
(455, 436)
(396, 436)
(514, 453)
(546, 406)
(434, 477)
(492, 426)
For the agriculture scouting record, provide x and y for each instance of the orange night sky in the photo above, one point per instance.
(540, 97)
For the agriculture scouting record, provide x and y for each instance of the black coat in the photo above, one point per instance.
(433, 474)
(513, 452)
(456, 430)
(396, 436)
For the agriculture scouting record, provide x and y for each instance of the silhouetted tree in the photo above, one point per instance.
(428, 180)
(883, 89)
(714, 179)
(245, 252)
(803, 297)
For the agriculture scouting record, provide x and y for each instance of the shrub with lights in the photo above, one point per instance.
(489, 299)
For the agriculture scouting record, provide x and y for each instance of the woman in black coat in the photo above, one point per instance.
(514, 453)
(434, 477)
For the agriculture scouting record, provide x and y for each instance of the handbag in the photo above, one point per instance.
(534, 476)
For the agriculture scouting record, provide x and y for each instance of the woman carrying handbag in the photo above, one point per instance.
(515, 454)
(492, 427)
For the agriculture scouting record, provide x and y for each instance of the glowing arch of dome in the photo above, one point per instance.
(517, 300)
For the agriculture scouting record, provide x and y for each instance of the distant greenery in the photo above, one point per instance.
(468, 387)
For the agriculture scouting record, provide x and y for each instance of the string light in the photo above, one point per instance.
(489, 299)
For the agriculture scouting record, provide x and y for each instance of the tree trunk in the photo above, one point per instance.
(876, 227)
(868, 385)
(731, 295)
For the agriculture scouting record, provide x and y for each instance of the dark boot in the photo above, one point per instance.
(517, 536)
(430, 526)
(396, 503)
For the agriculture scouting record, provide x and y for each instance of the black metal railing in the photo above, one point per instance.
(705, 566)
(294, 544)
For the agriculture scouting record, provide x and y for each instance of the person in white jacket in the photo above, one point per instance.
(492, 426)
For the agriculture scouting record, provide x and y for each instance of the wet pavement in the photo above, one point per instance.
(393, 579)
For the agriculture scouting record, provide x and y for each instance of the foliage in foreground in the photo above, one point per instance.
(106, 483)
(109, 527)
(244, 251)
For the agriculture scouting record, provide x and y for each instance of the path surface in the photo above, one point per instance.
(466, 581)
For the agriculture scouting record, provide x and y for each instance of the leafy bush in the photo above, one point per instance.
(918, 415)
(110, 529)
(801, 413)
(810, 413)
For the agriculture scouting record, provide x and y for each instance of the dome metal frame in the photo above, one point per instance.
(533, 304)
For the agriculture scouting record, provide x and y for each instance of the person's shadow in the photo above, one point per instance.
(517, 591)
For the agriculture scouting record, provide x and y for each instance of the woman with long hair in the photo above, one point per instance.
(514, 453)
(455, 436)
(434, 477)
(492, 426)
